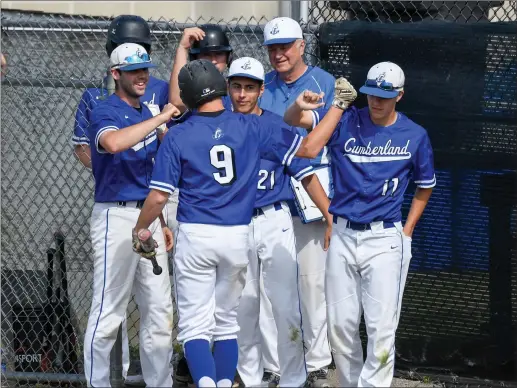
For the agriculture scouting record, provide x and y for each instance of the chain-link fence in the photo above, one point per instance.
(47, 195)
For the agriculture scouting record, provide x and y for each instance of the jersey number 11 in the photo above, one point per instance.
(386, 185)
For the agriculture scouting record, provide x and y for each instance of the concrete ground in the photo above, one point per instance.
(396, 382)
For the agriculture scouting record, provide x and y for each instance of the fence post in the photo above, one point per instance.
(117, 380)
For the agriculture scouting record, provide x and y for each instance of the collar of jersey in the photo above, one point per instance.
(210, 118)
(283, 86)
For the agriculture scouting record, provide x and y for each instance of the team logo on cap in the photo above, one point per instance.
(247, 65)
(275, 30)
(380, 79)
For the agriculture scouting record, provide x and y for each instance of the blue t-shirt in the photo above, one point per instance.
(156, 93)
(123, 176)
(213, 160)
(274, 178)
(372, 165)
(278, 96)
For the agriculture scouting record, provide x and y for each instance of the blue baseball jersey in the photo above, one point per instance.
(156, 93)
(213, 160)
(274, 178)
(372, 165)
(124, 176)
(227, 103)
(278, 96)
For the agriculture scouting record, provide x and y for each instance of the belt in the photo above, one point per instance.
(259, 212)
(362, 227)
(139, 204)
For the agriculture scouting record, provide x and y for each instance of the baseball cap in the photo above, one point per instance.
(385, 80)
(130, 56)
(247, 67)
(282, 30)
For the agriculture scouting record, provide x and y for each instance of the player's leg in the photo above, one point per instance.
(113, 274)
(195, 262)
(343, 296)
(384, 265)
(182, 373)
(154, 298)
(126, 361)
(250, 348)
(269, 336)
(311, 260)
(233, 253)
(277, 250)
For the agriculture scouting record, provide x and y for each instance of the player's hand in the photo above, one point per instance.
(344, 94)
(308, 100)
(191, 35)
(147, 248)
(169, 238)
(168, 112)
(328, 233)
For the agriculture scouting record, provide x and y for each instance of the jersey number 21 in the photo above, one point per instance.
(222, 157)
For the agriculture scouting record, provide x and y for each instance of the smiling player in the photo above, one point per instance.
(273, 247)
(375, 152)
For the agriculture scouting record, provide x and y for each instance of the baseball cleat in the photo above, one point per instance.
(317, 379)
(270, 379)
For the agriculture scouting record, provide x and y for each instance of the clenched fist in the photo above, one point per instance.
(344, 93)
(310, 100)
(169, 111)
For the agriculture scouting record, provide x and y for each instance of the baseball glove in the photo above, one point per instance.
(344, 93)
(144, 243)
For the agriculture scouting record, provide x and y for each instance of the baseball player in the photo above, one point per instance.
(273, 248)
(123, 131)
(123, 29)
(284, 41)
(205, 42)
(375, 152)
(213, 157)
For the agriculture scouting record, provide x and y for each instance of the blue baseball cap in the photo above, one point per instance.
(385, 80)
(130, 56)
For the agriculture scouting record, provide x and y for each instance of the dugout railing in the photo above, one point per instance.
(459, 310)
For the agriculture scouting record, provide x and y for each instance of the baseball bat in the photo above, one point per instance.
(145, 237)
(68, 356)
(46, 360)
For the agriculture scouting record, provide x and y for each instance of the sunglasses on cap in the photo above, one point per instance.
(384, 85)
(138, 58)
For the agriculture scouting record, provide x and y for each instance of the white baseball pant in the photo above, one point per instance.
(273, 252)
(268, 331)
(366, 270)
(117, 269)
(310, 239)
(171, 209)
(209, 274)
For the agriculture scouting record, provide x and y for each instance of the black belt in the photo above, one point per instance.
(259, 212)
(139, 204)
(362, 227)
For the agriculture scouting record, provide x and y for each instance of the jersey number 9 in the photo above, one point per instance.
(222, 157)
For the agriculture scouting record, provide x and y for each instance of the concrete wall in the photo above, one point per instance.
(180, 11)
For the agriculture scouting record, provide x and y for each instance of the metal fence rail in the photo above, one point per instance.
(46, 193)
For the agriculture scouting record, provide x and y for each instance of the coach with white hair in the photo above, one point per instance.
(283, 38)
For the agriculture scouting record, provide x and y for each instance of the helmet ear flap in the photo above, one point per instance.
(230, 59)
